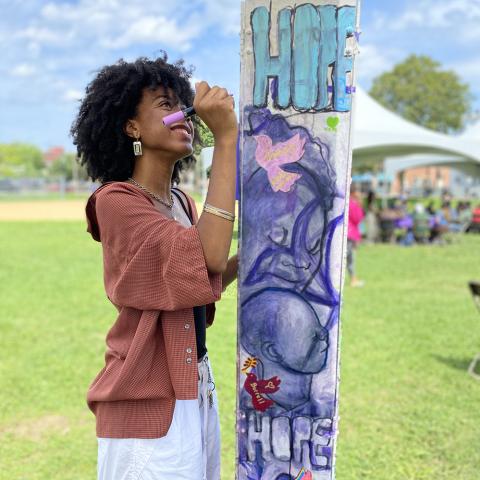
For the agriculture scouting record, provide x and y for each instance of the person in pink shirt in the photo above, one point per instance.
(354, 237)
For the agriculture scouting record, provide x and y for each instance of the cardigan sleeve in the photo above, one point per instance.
(151, 262)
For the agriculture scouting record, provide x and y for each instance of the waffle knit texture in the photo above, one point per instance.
(154, 274)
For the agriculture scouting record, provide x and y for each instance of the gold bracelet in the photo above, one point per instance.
(219, 212)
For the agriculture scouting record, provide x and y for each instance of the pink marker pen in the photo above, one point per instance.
(179, 116)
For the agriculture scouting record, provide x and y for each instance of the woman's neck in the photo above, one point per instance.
(154, 174)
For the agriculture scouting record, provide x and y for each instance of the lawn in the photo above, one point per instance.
(408, 408)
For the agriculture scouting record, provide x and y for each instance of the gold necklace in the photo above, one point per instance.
(154, 195)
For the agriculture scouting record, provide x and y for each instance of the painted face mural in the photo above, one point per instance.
(289, 244)
(295, 127)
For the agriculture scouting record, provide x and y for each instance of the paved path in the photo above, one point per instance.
(45, 210)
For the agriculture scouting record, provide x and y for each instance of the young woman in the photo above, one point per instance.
(154, 400)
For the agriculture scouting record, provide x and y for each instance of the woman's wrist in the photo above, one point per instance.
(226, 140)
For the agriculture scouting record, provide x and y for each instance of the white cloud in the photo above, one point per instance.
(34, 48)
(434, 14)
(223, 13)
(72, 95)
(112, 24)
(469, 71)
(23, 70)
(373, 61)
(152, 30)
(42, 35)
(409, 19)
(194, 80)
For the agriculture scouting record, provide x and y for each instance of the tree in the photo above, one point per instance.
(420, 91)
(68, 167)
(20, 160)
(62, 166)
(206, 136)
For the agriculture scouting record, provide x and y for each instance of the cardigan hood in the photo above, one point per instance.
(92, 222)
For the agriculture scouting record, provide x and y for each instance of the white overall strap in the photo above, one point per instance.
(205, 393)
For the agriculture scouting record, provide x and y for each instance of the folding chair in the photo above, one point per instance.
(475, 291)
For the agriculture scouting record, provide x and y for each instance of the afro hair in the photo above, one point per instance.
(112, 98)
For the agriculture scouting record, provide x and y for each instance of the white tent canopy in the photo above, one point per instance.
(379, 133)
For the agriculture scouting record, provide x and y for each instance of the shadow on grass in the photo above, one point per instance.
(456, 363)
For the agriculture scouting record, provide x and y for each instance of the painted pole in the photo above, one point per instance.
(297, 87)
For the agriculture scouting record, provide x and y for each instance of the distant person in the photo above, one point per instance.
(403, 224)
(355, 216)
(421, 224)
(450, 216)
(371, 218)
(465, 215)
(474, 226)
(431, 209)
(446, 196)
(439, 227)
(387, 219)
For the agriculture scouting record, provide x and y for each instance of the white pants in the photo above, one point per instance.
(185, 453)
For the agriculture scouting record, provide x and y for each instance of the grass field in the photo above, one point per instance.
(408, 408)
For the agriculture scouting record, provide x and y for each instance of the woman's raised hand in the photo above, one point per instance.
(215, 106)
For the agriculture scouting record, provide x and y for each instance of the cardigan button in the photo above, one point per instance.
(189, 360)
(186, 326)
(188, 350)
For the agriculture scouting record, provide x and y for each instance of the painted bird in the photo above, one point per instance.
(271, 157)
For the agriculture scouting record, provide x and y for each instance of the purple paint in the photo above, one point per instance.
(348, 89)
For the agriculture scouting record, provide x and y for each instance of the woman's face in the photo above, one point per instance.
(176, 140)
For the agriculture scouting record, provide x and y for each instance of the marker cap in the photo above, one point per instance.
(174, 117)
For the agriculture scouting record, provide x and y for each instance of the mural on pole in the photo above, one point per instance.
(297, 87)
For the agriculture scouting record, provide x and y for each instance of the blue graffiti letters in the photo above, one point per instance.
(311, 59)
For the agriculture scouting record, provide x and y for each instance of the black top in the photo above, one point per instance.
(200, 312)
(200, 316)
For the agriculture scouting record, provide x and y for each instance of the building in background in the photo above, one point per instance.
(52, 154)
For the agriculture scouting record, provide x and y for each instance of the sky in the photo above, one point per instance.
(51, 50)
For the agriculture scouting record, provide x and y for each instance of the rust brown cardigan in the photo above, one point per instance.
(154, 273)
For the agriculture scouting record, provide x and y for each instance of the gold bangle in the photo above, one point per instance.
(219, 212)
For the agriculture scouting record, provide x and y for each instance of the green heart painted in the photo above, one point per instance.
(333, 122)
